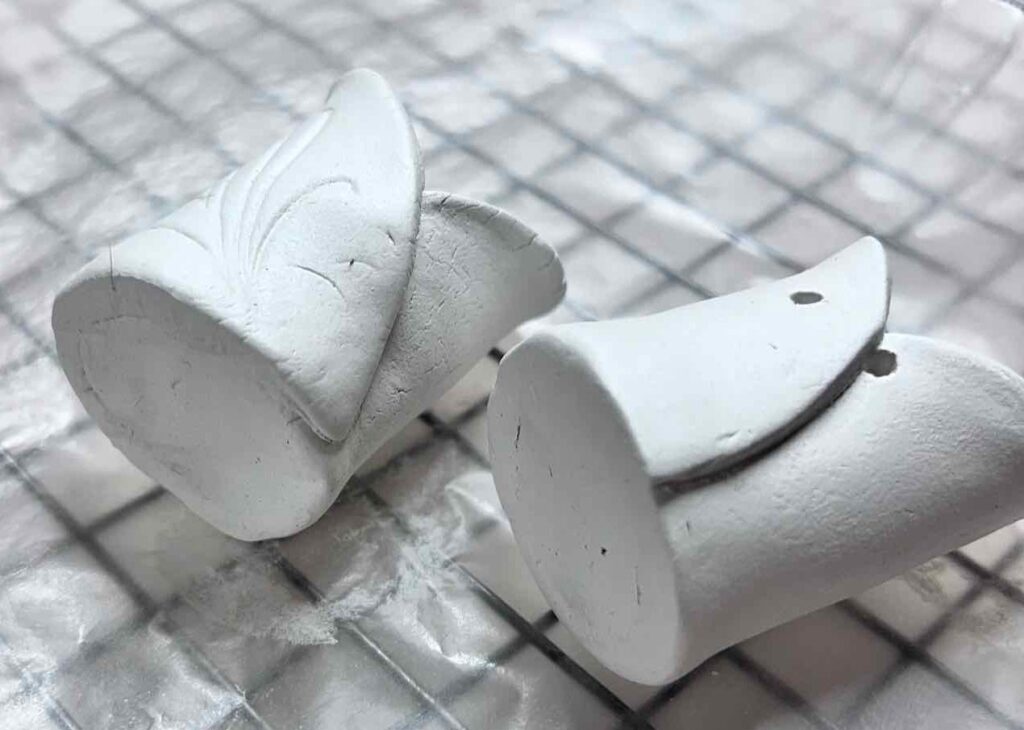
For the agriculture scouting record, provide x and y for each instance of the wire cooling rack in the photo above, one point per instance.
(671, 152)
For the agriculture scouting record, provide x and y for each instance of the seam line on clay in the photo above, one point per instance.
(222, 190)
(248, 183)
(174, 229)
(383, 350)
(257, 250)
(314, 134)
(320, 275)
(667, 490)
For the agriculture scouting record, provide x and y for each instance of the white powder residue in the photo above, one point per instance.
(362, 559)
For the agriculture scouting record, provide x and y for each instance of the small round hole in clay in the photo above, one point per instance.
(806, 297)
(880, 363)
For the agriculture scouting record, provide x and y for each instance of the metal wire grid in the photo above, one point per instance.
(472, 162)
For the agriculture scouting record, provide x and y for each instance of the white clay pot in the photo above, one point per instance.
(252, 349)
(682, 481)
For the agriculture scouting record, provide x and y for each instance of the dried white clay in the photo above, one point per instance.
(256, 346)
(680, 482)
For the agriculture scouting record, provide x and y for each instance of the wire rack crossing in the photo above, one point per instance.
(670, 155)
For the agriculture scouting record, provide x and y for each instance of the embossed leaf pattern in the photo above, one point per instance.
(317, 233)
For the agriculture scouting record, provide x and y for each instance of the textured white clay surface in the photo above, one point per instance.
(746, 369)
(654, 573)
(257, 345)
